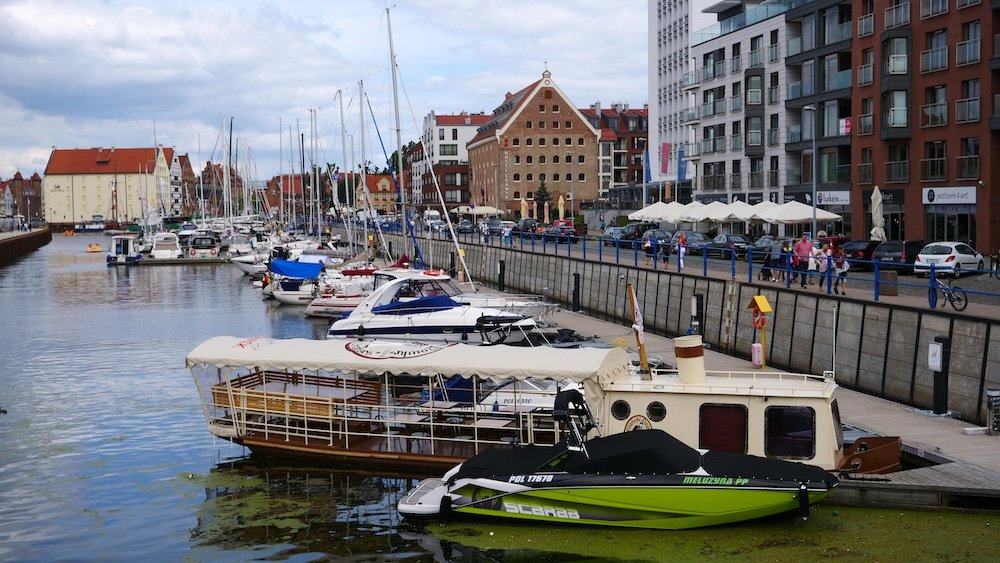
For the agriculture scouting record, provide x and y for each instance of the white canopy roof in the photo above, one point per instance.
(372, 356)
(658, 211)
(735, 212)
(795, 212)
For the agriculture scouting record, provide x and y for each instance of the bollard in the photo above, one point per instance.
(576, 292)
(941, 377)
(451, 269)
(501, 270)
(993, 411)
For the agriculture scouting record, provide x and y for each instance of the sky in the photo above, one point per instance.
(131, 73)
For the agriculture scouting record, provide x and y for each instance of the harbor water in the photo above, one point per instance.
(104, 454)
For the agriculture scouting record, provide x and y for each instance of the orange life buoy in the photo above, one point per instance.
(213, 252)
(759, 319)
(193, 252)
(433, 272)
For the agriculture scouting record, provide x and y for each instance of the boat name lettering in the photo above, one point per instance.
(253, 343)
(530, 479)
(381, 351)
(522, 400)
(550, 511)
(715, 481)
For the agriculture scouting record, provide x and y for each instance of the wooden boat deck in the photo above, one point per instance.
(948, 485)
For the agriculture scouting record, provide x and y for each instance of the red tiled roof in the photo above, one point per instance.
(104, 160)
(608, 135)
(499, 118)
(474, 119)
(373, 179)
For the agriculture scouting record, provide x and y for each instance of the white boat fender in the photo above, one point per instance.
(804, 501)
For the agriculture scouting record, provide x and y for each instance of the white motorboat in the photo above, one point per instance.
(253, 264)
(124, 251)
(342, 293)
(420, 305)
(202, 246)
(166, 246)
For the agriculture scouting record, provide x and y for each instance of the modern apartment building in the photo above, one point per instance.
(443, 154)
(923, 118)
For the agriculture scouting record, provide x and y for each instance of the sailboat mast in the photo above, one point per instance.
(281, 178)
(399, 131)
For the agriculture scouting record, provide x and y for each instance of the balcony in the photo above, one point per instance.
(898, 64)
(736, 181)
(934, 115)
(842, 32)
(934, 59)
(692, 150)
(931, 8)
(756, 58)
(865, 124)
(793, 177)
(773, 137)
(793, 134)
(690, 79)
(754, 137)
(866, 25)
(865, 173)
(735, 65)
(772, 178)
(756, 180)
(714, 182)
(720, 106)
(707, 109)
(736, 103)
(966, 110)
(897, 16)
(793, 46)
(967, 167)
(967, 52)
(754, 96)
(794, 90)
(896, 117)
(773, 95)
(897, 171)
(707, 73)
(865, 75)
(838, 81)
(736, 141)
(934, 169)
(690, 114)
(959, 4)
(773, 53)
(706, 146)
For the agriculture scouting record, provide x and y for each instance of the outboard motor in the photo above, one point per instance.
(573, 417)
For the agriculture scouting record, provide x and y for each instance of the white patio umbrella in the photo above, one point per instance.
(758, 208)
(878, 219)
(735, 212)
(657, 211)
(484, 210)
(796, 212)
(691, 213)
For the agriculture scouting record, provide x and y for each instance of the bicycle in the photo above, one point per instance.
(954, 295)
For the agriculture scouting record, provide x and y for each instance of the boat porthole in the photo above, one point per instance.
(620, 409)
(656, 411)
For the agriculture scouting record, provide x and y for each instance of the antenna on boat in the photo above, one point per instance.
(637, 328)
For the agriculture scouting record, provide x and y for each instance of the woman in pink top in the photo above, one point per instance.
(802, 250)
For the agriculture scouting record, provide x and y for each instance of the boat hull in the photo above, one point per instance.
(668, 502)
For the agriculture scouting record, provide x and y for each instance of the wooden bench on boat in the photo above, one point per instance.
(276, 392)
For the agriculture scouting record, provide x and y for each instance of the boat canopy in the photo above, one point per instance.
(301, 270)
(373, 356)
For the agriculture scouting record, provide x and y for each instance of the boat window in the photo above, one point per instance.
(723, 428)
(449, 288)
(838, 426)
(620, 409)
(656, 411)
(790, 432)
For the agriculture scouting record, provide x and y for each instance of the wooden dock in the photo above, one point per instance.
(949, 485)
(147, 261)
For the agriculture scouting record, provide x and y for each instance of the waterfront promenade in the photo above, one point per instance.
(937, 436)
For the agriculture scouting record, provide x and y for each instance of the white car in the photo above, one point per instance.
(948, 257)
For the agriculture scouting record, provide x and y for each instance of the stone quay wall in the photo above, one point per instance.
(881, 349)
(14, 245)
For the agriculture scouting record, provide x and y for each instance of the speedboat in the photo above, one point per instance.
(201, 246)
(420, 305)
(254, 264)
(342, 292)
(641, 479)
(166, 246)
(123, 251)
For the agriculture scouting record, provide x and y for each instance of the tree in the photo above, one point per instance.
(542, 195)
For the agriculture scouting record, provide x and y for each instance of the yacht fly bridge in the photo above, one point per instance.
(420, 404)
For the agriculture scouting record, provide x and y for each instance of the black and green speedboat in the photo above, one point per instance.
(639, 479)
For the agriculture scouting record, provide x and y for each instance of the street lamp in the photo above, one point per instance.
(572, 186)
(815, 133)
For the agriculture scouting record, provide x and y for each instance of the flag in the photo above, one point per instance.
(636, 315)
(664, 158)
(649, 173)
(681, 165)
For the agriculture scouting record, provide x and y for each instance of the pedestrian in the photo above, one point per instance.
(802, 251)
(786, 261)
(602, 224)
(841, 266)
(681, 250)
(665, 250)
(505, 236)
(775, 256)
(484, 233)
(822, 259)
(650, 247)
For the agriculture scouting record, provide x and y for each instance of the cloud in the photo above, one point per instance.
(101, 72)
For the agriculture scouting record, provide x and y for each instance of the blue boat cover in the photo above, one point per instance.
(427, 304)
(296, 269)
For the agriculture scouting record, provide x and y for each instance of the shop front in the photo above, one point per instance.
(892, 212)
(951, 214)
(838, 202)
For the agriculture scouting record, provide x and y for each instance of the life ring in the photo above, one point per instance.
(193, 252)
(213, 251)
(433, 272)
(759, 319)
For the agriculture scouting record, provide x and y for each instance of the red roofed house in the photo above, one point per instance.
(118, 184)
(25, 197)
(535, 135)
(382, 193)
(627, 130)
(446, 156)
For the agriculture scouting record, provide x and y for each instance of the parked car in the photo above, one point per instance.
(662, 237)
(727, 244)
(560, 235)
(525, 228)
(695, 242)
(898, 254)
(436, 226)
(948, 256)
(611, 236)
(579, 228)
(760, 249)
(465, 226)
(494, 224)
(859, 253)
(632, 233)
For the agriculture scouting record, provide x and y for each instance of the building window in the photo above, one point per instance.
(555, 159)
(896, 111)
(896, 52)
(454, 134)
(555, 141)
(555, 124)
(967, 106)
(897, 168)
(517, 142)
(541, 159)
(967, 51)
(568, 141)
(935, 111)
(555, 108)
(968, 162)
(865, 168)
(541, 142)
(529, 141)
(934, 166)
(580, 159)
(517, 159)
(555, 177)
(517, 178)
(936, 56)
(530, 195)
(581, 177)
(865, 125)
(529, 178)
(541, 177)
(579, 142)
(529, 159)
(441, 134)
(541, 108)
(449, 150)
(568, 125)
(517, 195)
(527, 125)
(541, 125)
